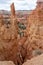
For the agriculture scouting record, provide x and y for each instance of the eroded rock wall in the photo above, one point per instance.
(35, 30)
(9, 48)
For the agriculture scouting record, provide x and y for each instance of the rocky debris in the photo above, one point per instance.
(35, 61)
(6, 63)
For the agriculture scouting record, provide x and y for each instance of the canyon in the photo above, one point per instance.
(21, 39)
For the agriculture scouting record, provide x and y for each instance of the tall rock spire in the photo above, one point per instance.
(13, 20)
(12, 9)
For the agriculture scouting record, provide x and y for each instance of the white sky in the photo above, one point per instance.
(19, 4)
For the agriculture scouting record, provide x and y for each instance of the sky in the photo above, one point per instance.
(19, 4)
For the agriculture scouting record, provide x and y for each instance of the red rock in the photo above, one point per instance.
(17, 49)
(9, 48)
(35, 30)
(12, 9)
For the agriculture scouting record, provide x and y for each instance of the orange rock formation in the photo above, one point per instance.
(35, 30)
(9, 49)
(20, 49)
(12, 9)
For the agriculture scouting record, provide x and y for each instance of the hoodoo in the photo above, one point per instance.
(12, 9)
